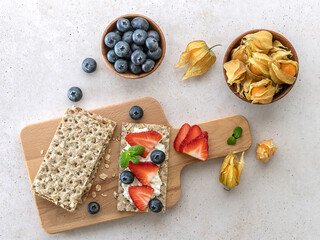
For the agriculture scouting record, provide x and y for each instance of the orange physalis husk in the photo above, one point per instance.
(265, 150)
(199, 58)
(231, 170)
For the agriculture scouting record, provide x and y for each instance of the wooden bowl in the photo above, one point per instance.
(276, 36)
(152, 26)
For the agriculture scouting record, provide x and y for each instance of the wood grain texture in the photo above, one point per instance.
(37, 137)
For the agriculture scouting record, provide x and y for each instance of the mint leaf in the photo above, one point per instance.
(231, 140)
(124, 159)
(135, 159)
(136, 150)
(237, 132)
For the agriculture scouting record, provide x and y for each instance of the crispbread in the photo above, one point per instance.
(123, 203)
(92, 176)
(73, 157)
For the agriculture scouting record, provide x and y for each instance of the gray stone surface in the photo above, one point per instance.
(42, 45)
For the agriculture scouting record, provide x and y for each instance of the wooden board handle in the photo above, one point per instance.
(218, 131)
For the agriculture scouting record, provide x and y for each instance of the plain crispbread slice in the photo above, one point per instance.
(123, 203)
(73, 157)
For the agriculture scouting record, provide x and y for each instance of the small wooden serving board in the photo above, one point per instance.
(36, 138)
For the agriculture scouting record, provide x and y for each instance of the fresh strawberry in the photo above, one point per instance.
(181, 136)
(198, 147)
(144, 171)
(147, 139)
(140, 196)
(193, 133)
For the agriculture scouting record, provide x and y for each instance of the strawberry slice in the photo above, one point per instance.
(147, 139)
(181, 135)
(193, 133)
(140, 196)
(198, 147)
(144, 171)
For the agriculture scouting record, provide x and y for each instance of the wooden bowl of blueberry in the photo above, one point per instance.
(133, 46)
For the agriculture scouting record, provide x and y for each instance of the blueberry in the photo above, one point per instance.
(136, 47)
(135, 69)
(155, 205)
(121, 65)
(148, 65)
(127, 37)
(152, 44)
(128, 56)
(111, 39)
(93, 207)
(138, 57)
(123, 25)
(139, 36)
(136, 112)
(154, 34)
(111, 56)
(140, 23)
(155, 55)
(121, 48)
(157, 156)
(74, 94)
(118, 32)
(126, 177)
(89, 65)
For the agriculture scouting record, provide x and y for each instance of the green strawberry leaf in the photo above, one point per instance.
(135, 159)
(124, 159)
(237, 132)
(136, 150)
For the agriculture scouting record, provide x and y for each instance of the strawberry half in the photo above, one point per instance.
(193, 133)
(140, 196)
(181, 136)
(198, 147)
(144, 171)
(147, 139)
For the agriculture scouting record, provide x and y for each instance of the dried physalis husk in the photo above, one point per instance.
(261, 92)
(283, 71)
(244, 86)
(277, 46)
(258, 42)
(199, 58)
(278, 87)
(281, 55)
(257, 66)
(231, 170)
(278, 51)
(235, 70)
(191, 49)
(246, 83)
(239, 53)
(265, 150)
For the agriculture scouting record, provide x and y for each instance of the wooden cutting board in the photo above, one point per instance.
(35, 139)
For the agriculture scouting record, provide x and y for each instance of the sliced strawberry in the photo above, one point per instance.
(140, 196)
(144, 171)
(193, 133)
(198, 147)
(147, 139)
(181, 135)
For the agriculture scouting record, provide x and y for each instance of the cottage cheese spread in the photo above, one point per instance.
(156, 180)
(155, 184)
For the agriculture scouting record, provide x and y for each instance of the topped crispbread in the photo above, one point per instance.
(73, 157)
(123, 203)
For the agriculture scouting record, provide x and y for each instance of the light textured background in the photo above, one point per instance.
(42, 45)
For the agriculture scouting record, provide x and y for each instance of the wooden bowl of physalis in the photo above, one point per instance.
(261, 66)
(133, 46)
